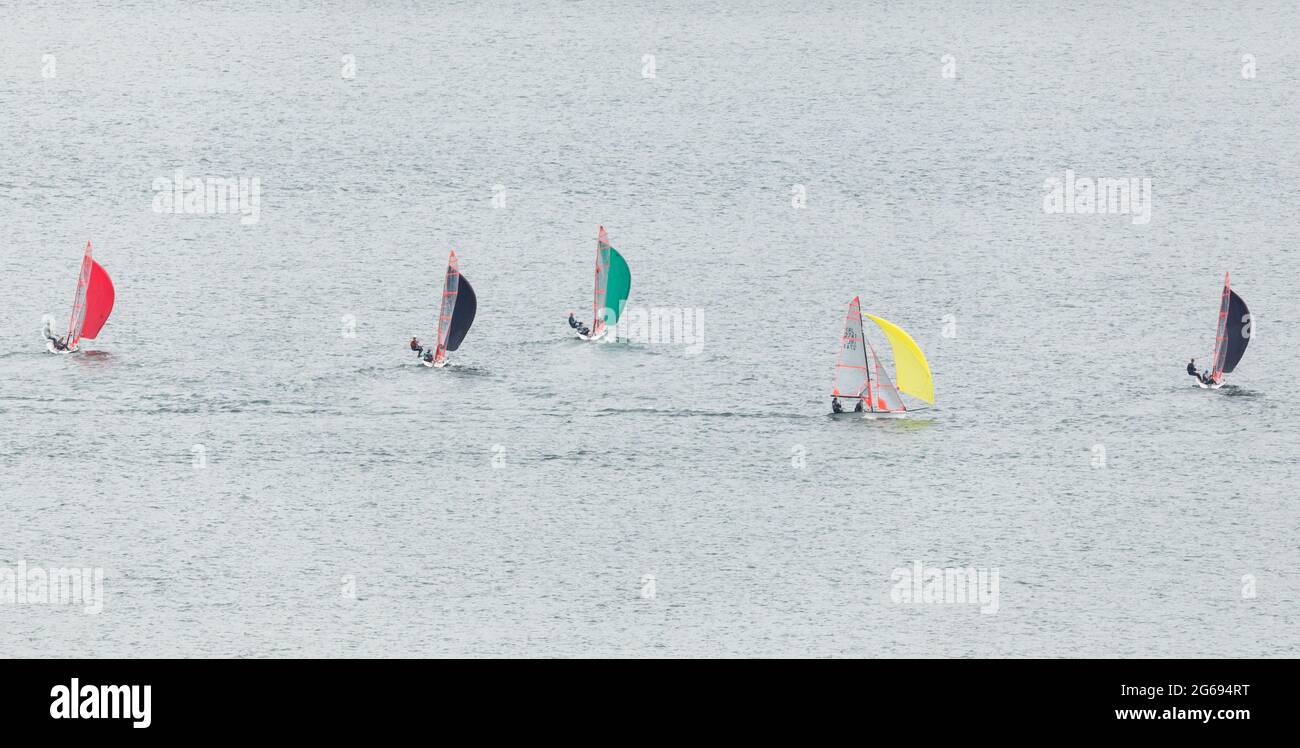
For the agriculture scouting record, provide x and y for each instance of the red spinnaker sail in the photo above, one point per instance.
(99, 301)
(92, 303)
(1221, 337)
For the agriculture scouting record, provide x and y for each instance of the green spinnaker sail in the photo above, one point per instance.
(617, 288)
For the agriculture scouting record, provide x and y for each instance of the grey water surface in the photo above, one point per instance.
(255, 461)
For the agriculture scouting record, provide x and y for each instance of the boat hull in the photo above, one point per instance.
(869, 415)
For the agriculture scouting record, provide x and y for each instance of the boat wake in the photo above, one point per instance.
(1232, 390)
(459, 369)
(697, 413)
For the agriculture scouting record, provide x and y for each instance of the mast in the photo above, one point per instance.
(598, 292)
(79, 302)
(852, 372)
(866, 365)
(450, 286)
(1221, 335)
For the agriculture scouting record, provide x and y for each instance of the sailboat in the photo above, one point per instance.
(859, 374)
(459, 305)
(613, 285)
(1233, 335)
(90, 307)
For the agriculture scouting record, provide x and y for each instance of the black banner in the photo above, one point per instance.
(329, 698)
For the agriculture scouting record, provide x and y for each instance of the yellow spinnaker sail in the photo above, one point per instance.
(911, 372)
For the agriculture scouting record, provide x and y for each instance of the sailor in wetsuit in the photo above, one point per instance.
(835, 405)
(1204, 377)
(428, 356)
(59, 345)
(858, 408)
(415, 346)
(575, 324)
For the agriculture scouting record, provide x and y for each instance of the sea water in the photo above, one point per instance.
(252, 458)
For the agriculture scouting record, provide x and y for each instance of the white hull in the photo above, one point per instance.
(597, 336)
(1212, 386)
(871, 415)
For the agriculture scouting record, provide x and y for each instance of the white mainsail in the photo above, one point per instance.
(852, 378)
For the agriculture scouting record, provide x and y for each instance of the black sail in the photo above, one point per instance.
(463, 316)
(1237, 333)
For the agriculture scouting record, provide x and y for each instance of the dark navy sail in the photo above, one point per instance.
(463, 316)
(1237, 332)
